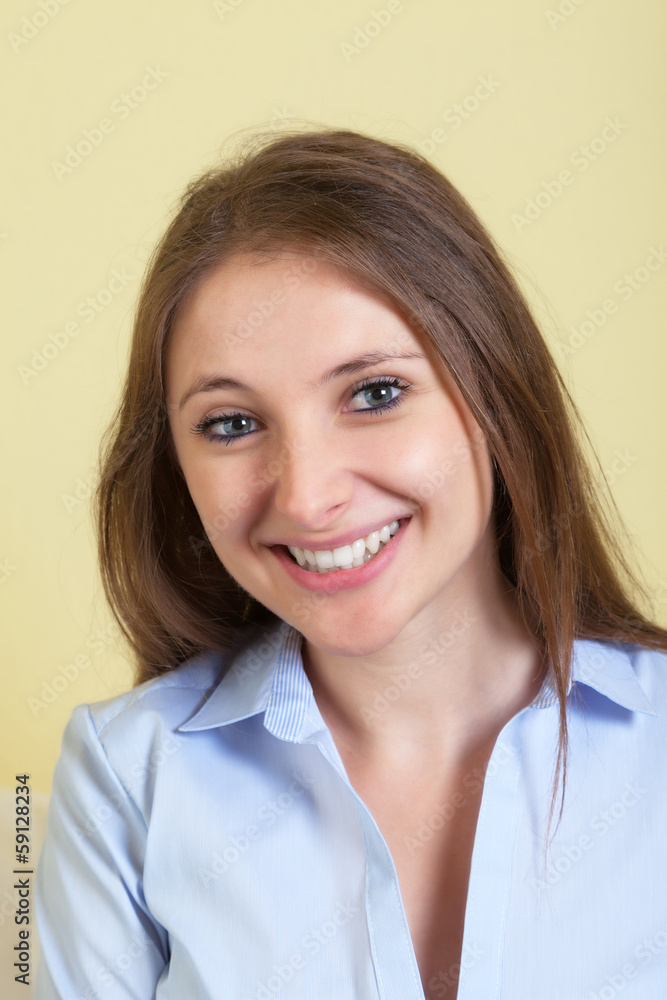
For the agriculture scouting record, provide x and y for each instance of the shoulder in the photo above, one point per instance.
(169, 699)
(630, 674)
(123, 739)
(650, 668)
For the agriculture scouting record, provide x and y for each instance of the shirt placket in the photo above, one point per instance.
(490, 880)
(396, 968)
(395, 964)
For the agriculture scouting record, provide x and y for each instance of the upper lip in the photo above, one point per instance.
(339, 540)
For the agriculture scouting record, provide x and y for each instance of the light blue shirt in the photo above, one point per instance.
(204, 842)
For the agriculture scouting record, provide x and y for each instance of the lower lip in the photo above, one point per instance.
(342, 579)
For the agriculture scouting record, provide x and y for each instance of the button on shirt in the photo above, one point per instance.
(205, 843)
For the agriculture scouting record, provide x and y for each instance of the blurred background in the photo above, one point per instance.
(547, 115)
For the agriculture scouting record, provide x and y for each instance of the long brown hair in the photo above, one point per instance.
(385, 215)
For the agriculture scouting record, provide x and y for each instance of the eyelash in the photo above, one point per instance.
(202, 428)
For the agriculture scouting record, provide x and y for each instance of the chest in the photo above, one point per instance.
(429, 828)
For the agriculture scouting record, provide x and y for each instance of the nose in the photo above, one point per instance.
(313, 481)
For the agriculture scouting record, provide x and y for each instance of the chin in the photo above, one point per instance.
(369, 636)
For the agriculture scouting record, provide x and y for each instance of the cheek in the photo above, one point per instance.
(227, 496)
(443, 461)
(214, 497)
(469, 488)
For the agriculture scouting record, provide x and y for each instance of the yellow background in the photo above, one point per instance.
(557, 78)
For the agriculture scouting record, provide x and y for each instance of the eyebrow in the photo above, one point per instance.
(209, 383)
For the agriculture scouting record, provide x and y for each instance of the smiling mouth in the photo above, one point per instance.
(347, 556)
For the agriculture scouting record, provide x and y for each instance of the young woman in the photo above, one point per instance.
(398, 719)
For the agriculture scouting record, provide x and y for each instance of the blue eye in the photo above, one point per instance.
(380, 388)
(377, 388)
(235, 419)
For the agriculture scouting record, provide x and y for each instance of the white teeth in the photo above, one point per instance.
(358, 548)
(347, 556)
(373, 542)
(342, 557)
(325, 559)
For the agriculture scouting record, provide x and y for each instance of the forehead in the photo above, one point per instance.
(246, 313)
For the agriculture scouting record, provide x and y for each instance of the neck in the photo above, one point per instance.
(443, 689)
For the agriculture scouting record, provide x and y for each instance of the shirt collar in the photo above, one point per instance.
(607, 667)
(268, 676)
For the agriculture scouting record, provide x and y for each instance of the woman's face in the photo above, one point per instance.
(285, 437)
